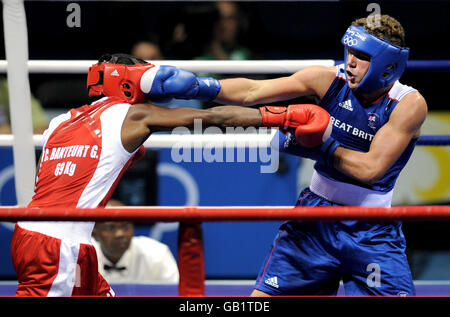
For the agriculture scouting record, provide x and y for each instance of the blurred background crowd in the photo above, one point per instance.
(220, 30)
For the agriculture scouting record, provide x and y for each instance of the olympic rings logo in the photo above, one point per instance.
(350, 41)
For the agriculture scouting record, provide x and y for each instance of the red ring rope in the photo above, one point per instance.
(259, 213)
(190, 241)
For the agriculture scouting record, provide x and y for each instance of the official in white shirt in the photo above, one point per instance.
(123, 257)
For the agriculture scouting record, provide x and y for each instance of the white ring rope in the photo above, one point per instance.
(167, 141)
(221, 67)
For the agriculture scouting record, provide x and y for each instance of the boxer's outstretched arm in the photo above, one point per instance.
(161, 118)
(388, 143)
(144, 119)
(314, 80)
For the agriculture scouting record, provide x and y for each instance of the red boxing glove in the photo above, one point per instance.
(273, 116)
(316, 128)
(311, 123)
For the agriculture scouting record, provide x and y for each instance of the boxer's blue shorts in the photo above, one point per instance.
(311, 258)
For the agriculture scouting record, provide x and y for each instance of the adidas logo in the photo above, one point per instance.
(115, 73)
(272, 281)
(346, 105)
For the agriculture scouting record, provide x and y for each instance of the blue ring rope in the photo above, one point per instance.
(428, 65)
(422, 65)
(434, 140)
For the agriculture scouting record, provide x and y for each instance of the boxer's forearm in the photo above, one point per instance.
(233, 116)
(249, 92)
(367, 167)
(357, 165)
(237, 91)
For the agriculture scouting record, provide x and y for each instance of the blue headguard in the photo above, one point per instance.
(387, 61)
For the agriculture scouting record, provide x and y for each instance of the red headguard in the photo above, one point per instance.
(115, 79)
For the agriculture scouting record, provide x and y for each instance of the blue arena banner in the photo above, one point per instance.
(232, 249)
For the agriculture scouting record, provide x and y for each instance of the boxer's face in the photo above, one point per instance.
(358, 64)
(114, 238)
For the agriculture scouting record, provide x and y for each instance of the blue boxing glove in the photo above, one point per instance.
(286, 143)
(162, 83)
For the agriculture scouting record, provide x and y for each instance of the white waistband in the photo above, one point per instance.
(348, 194)
(75, 232)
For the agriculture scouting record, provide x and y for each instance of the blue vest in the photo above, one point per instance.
(355, 125)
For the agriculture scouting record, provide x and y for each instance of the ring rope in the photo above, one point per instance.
(161, 141)
(434, 140)
(221, 67)
(236, 213)
(423, 65)
(224, 67)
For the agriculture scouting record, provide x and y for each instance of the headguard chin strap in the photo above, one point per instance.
(110, 78)
(387, 61)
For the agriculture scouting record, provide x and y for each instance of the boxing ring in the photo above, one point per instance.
(190, 240)
(190, 243)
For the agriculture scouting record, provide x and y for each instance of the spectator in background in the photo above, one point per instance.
(225, 42)
(147, 50)
(184, 33)
(123, 257)
(39, 117)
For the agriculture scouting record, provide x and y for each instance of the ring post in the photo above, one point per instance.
(16, 46)
(191, 263)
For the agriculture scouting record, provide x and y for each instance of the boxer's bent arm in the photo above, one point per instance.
(314, 80)
(144, 119)
(388, 143)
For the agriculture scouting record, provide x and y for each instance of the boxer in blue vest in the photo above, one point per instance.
(375, 122)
